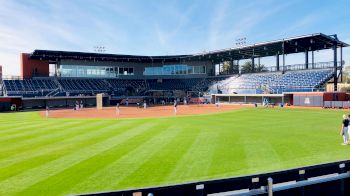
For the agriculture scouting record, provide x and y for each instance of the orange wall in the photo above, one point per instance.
(28, 67)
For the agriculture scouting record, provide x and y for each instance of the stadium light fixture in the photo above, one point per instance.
(240, 42)
(100, 49)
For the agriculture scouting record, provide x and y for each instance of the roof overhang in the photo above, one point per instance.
(298, 44)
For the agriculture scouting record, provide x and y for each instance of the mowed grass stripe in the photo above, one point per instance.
(68, 142)
(30, 160)
(189, 167)
(12, 126)
(164, 161)
(49, 138)
(37, 132)
(20, 130)
(296, 137)
(96, 163)
(18, 116)
(8, 126)
(107, 178)
(28, 178)
(229, 154)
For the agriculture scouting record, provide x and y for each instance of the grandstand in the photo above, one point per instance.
(121, 76)
(275, 83)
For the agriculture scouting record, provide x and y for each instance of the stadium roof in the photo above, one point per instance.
(311, 42)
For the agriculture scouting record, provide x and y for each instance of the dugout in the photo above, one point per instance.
(250, 98)
(61, 102)
(6, 102)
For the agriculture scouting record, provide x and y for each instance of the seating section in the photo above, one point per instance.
(34, 87)
(277, 82)
(121, 86)
(172, 84)
(84, 86)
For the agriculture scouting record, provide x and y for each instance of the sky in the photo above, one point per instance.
(159, 27)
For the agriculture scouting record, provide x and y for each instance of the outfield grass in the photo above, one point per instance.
(66, 156)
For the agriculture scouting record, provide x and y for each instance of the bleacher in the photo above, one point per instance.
(120, 86)
(276, 82)
(172, 84)
(271, 82)
(84, 86)
(29, 88)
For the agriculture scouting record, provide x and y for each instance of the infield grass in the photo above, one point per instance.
(69, 156)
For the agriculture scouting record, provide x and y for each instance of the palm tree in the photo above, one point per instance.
(248, 68)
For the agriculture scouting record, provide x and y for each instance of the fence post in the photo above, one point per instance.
(269, 186)
(301, 178)
(255, 183)
(200, 189)
(342, 181)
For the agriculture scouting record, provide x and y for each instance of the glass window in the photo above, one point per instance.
(177, 69)
(93, 71)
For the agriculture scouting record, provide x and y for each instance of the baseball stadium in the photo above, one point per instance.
(240, 120)
(174, 125)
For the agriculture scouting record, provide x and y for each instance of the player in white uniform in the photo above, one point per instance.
(175, 107)
(47, 111)
(117, 110)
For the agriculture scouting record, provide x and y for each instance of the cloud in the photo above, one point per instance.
(232, 21)
(147, 28)
(23, 29)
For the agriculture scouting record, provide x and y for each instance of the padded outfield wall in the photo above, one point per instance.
(250, 98)
(318, 99)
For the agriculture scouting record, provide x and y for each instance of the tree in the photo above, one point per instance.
(346, 74)
(247, 68)
(226, 67)
(260, 68)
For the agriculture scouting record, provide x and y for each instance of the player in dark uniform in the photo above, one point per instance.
(344, 130)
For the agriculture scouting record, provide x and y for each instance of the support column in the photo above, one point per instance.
(284, 63)
(253, 65)
(284, 60)
(313, 59)
(335, 78)
(278, 62)
(219, 68)
(306, 59)
(232, 66)
(239, 69)
(341, 63)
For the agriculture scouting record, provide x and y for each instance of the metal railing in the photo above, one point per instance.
(11, 77)
(294, 67)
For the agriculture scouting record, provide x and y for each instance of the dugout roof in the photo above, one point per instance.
(298, 44)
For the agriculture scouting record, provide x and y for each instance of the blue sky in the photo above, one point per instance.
(159, 27)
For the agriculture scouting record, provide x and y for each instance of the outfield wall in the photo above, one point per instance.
(324, 179)
(321, 99)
